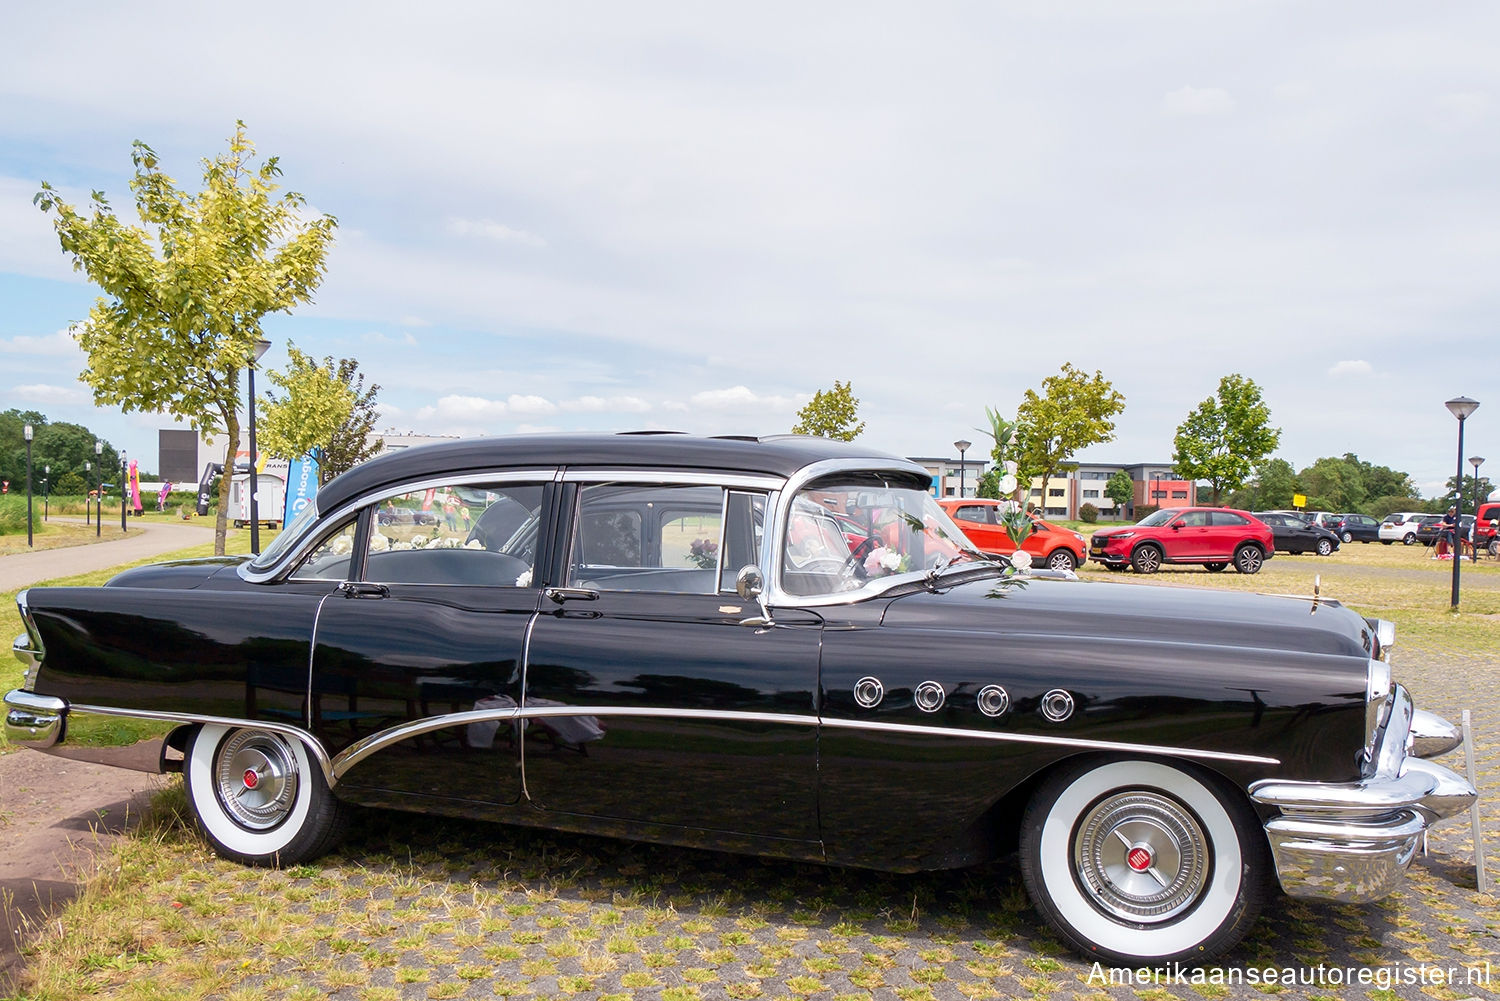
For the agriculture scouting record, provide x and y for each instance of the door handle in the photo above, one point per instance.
(563, 594)
(363, 589)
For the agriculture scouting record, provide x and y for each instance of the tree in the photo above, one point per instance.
(831, 413)
(1073, 411)
(1223, 438)
(324, 413)
(989, 485)
(185, 292)
(1121, 489)
(1277, 482)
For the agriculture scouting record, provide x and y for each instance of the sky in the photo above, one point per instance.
(603, 216)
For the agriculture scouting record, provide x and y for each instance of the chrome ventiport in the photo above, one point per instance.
(1057, 705)
(929, 696)
(868, 692)
(993, 700)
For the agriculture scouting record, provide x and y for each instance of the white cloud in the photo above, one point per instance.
(741, 397)
(603, 404)
(1455, 112)
(376, 337)
(1197, 102)
(456, 407)
(60, 343)
(1351, 368)
(491, 230)
(52, 395)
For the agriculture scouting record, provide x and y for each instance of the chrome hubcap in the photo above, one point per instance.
(1061, 561)
(256, 779)
(1140, 856)
(1250, 560)
(1148, 559)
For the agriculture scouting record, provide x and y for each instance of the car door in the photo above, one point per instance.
(978, 522)
(1188, 537)
(1228, 530)
(654, 695)
(418, 656)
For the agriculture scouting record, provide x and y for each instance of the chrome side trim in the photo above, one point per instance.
(314, 747)
(362, 749)
(314, 531)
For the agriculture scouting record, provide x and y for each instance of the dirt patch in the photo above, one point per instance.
(56, 816)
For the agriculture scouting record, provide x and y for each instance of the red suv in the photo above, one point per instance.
(1212, 536)
(1487, 528)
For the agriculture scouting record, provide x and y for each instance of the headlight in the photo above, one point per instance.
(1123, 535)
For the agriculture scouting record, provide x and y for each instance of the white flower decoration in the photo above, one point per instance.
(342, 546)
(1020, 559)
(473, 544)
(379, 543)
(890, 561)
(418, 541)
(525, 579)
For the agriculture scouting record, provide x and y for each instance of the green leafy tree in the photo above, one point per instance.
(1073, 411)
(1120, 488)
(323, 412)
(1224, 437)
(13, 443)
(989, 485)
(185, 291)
(65, 446)
(71, 484)
(1276, 482)
(831, 413)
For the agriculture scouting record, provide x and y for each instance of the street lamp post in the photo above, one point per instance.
(962, 446)
(1476, 461)
(98, 488)
(27, 432)
(1460, 407)
(261, 347)
(88, 505)
(46, 490)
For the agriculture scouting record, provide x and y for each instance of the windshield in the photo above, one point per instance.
(290, 533)
(1161, 517)
(848, 532)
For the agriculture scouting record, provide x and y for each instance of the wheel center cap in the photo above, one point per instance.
(252, 778)
(1139, 858)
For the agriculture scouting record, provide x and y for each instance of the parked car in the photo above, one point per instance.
(1427, 533)
(1487, 529)
(1323, 519)
(1293, 535)
(1356, 528)
(1211, 536)
(1402, 526)
(677, 644)
(1048, 545)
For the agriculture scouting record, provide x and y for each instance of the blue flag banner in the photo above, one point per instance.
(301, 486)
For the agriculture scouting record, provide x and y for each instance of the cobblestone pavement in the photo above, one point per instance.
(417, 907)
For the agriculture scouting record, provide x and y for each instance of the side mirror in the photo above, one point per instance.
(749, 583)
(1176, 525)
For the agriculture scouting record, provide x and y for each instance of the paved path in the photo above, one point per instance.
(143, 541)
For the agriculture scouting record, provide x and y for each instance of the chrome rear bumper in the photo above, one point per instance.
(47, 723)
(1352, 841)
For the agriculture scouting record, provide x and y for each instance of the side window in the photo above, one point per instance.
(744, 530)
(476, 535)
(1226, 519)
(329, 559)
(651, 537)
(972, 512)
(1195, 519)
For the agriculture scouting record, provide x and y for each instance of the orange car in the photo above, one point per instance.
(1050, 545)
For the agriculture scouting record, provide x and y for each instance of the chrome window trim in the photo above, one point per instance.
(362, 749)
(294, 555)
(666, 477)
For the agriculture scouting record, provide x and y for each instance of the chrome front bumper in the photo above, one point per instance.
(1352, 841)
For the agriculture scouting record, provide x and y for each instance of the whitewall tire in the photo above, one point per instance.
(260, 797)
(1143, 861)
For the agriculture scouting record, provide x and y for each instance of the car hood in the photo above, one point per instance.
(183, 574)
(1109, 610)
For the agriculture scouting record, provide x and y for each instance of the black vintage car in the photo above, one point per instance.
(779, 646)
(1294, 535)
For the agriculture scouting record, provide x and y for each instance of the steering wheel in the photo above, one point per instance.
(861, 549)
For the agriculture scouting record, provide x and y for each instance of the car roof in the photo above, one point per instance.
(777, 455)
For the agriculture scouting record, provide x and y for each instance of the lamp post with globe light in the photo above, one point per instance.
(1476, 461)
(46, 490)
(124, 489)
(1460, 407)
(27, 431)
(962, 446)
(98, 487)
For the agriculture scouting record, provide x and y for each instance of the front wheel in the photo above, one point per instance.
(1146, 559)
(1248, 559)
(1141, 862)
(259, 796)
(1325, 547)
(1062, 559)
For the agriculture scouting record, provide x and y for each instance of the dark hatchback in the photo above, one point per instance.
(670, 638)
(1294, 535)
(1356, 528)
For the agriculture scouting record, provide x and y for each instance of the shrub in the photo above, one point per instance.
(1144, 509)
(13, 514)
(1088, 513)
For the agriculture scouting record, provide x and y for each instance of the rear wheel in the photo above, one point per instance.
(1386, 542)
(1141, 861)
(1215, 567)
(1248, 558)
(259, 796)
(1408, 538)
(1062, 559)
(1347, 536)
(1146, 559)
